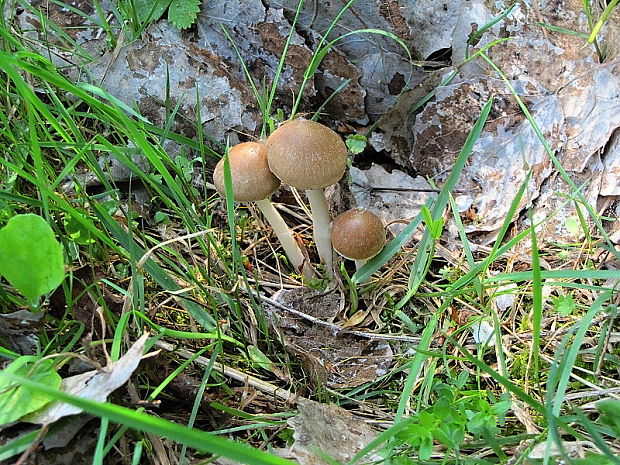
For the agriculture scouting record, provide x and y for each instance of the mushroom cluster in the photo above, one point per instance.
(306, 155)
(253, 181)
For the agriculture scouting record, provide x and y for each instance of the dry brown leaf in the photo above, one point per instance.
(329, 354)
(330, 430)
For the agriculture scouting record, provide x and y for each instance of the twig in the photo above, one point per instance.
(334, 327)
(593, 393)
(263, 386)
(33, 445)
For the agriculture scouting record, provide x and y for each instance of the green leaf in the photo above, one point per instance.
(426, 448)
(564, 304)
(594, 459)
(17, 401)
(149, 10)
(183, 13)
(356, 143)
(258, 357)
(77, 231)
(610, 413)
(30, 256)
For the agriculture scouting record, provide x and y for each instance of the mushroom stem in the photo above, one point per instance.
(360, 263)
(284, 235)
(320, 224)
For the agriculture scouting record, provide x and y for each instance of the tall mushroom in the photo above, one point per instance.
(254, 182)
(358, 235)
(308, 155)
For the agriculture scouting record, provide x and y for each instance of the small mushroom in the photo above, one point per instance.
(358, 235)
(254, 182)
(308, 155)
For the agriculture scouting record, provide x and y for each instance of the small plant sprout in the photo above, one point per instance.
(254, 182)
(358, 235)
(308, 155)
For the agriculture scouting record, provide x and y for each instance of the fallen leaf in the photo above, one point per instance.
(328, 430)
(329, 354)
(94, 385)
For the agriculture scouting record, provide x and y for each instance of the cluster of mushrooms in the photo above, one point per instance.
(306, 155)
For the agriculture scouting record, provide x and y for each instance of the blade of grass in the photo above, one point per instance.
(182, 434)
(444, 195)
(476, 35)
(561, 369)
(320, 54)
(602, 20)
(199, 396)
(562, 30)
(537, 302)
(282, 61)
(415, 365)
(554, 274)
(160, 276)
(557, 390)
(260, 100)
(597, 438)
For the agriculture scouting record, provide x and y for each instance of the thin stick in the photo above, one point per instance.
(240, 376)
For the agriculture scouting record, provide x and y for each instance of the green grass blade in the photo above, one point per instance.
(414, 368)
(475, 36)
(262, 104)
(276, 78)
(537, 304)
(562, 30)
(597, 438)
(160, 276)
(444, 195)
(568, 358)
(554, 274)
(199, 440)
(602, 20)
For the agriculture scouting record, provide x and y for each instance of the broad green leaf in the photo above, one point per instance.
(30, 256)
(17, 401)
(610, 413)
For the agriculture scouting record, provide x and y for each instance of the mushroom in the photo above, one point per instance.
(308, 155)
(254, 182)
(358, 235)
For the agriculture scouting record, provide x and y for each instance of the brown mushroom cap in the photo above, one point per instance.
(358, 234)
(252, 179)
(306, 154)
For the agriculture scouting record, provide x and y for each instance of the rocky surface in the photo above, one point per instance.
(570, 92)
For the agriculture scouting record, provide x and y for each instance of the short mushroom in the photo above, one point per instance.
(253, 182)
(308, 155)
(358, 235)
